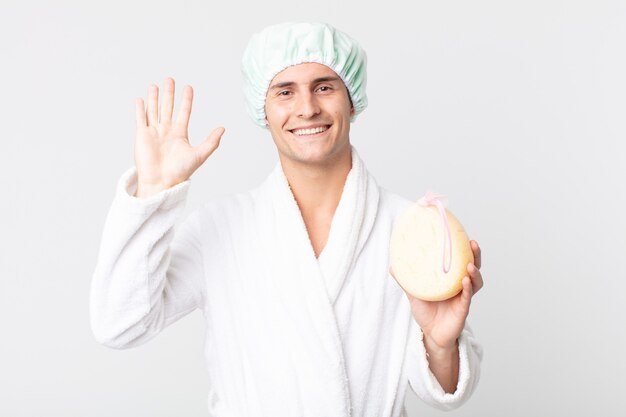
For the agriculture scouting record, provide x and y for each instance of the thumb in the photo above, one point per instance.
(210, 144)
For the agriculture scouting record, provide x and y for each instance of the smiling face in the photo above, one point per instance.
(308, 112)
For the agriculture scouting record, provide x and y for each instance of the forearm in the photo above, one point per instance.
(137, 261)
(444, 364)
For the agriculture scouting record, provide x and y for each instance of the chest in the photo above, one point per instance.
(318, 229)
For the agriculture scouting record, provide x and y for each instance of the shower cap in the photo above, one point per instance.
(280, 46)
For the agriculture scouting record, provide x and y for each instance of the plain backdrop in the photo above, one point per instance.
(514, 109)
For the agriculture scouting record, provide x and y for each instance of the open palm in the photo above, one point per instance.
(163, 155)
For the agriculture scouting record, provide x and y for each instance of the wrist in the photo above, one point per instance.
(436, 350)
(147, 190)
(444, 362)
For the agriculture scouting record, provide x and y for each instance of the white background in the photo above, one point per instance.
(514, 109)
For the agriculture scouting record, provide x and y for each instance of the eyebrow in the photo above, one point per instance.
(315, 81)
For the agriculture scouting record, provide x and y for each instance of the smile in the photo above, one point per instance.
(311, 131)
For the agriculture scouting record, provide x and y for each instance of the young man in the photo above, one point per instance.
(303, 315)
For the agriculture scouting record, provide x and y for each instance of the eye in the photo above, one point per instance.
(324, 88)
(283, 93)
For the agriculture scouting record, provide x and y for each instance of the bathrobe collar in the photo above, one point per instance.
(296, 270)
(351, 225)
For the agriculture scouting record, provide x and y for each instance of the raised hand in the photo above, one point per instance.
(163, 154)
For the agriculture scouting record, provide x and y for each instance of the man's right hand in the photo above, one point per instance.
(163, 155)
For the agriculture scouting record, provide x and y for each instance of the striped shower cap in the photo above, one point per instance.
(280, 46)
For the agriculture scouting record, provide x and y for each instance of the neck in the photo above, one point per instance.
(317, 188)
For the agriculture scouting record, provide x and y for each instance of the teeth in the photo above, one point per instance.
(301, 132)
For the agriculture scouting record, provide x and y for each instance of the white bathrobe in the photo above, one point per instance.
(287, 334)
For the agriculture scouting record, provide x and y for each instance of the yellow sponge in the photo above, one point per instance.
(420, 250)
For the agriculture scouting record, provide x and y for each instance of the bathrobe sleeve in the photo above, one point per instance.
(148, 275)
(423, 381)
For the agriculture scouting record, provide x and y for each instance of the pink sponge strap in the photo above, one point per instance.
(432, 199)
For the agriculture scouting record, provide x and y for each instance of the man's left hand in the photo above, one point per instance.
(442, 321)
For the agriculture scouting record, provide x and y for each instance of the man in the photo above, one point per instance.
(303, 316)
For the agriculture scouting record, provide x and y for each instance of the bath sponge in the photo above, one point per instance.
(430, 250)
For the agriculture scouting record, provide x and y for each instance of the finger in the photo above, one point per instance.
(167, 105)
(140, 113)
(476, 277)
(477, 253)
(184, 111)
(153, 105)
(466, 294)
(211, 143)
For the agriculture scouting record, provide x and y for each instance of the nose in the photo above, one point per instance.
(307, 105)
